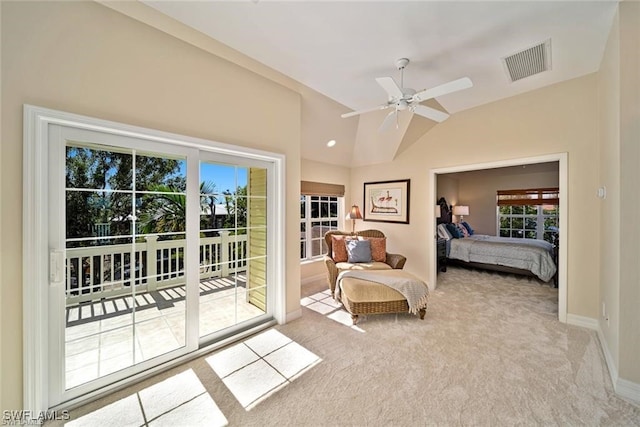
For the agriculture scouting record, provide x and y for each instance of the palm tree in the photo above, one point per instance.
(166, 209)
(166, 212)
(208, 199)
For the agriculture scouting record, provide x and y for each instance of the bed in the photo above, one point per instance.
(512, 255)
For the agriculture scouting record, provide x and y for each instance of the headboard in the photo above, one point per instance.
(446, 215)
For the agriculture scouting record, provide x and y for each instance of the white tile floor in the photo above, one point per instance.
(97, 345)
(252, 370)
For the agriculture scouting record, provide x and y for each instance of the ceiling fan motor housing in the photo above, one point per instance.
(401, 63)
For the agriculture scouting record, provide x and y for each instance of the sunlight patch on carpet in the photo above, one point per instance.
(258, 367)
(180, 399)
(323, 303)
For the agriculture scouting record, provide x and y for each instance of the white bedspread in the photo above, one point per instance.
(527, 254)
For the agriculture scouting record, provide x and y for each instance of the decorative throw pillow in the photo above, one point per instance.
(359, 250)
(339, 249)
(463, 230)
(378, 248)
(443, 233)
(468, 227)
(455, 233)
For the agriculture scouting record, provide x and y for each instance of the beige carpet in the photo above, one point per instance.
(489, 352)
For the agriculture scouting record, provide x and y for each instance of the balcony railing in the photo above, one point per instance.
(108, 271)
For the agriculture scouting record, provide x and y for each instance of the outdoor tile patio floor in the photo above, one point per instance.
(105, 336)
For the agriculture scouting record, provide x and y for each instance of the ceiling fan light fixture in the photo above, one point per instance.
(401, 98)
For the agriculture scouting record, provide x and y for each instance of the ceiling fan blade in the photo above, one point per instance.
(367, 110)
(443, 89)
(387, 121)
(430, 113)
(390, 86)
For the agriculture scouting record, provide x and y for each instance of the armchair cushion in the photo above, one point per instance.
(378, 248)
(339, 249)
(363, 266)
(359, 250)
(377, 238)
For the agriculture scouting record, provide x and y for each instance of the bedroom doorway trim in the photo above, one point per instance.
(563, 180)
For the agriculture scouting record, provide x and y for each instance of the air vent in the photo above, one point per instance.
(528, 62)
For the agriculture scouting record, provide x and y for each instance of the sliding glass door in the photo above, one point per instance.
(156, 249)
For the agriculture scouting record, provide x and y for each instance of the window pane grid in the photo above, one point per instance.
(528, 221)
(318, 214)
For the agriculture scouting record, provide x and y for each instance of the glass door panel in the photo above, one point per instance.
(225, 246)
(125, 255)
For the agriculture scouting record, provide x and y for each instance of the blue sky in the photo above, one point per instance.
(223, 176)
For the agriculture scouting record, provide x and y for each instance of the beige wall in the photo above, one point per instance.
(609, 171)
(558, 118)
(630, 196)
(477, 189)
(84, 58)
(619, 171)
(331, 174)
(3, 319)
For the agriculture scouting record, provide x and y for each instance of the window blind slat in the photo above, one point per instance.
(310, 188)
(531, 196)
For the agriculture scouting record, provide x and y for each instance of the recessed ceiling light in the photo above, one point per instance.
(331, 143)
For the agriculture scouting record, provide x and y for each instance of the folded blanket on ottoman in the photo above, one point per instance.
(414, 290)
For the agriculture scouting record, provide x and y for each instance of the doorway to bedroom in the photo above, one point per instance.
(473, 189)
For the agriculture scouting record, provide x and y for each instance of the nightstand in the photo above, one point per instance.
(441, 253)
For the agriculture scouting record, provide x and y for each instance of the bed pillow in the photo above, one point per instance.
(468, 227)
(463, 230)
(339, 249)
(455, 233)
(443, 233)
(359, 250)
(378, 248)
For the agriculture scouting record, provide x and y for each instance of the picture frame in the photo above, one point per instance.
(387, 201)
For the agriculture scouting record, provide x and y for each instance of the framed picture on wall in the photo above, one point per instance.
(387, 201)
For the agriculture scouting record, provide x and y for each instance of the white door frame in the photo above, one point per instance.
(563, 172)
(35, 269)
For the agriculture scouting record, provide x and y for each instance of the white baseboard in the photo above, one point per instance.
(623, 388)
(608, 357)
(293, 315)
(315, 278)
(585, 322)
(628, 390)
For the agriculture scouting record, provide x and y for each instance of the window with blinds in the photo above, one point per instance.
(528, 214)
(320, 204)
(533, 196)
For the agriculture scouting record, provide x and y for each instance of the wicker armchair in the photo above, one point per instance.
(395, 261)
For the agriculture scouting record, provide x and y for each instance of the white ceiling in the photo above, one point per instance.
(339, 48)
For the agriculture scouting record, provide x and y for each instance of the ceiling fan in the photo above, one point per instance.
(401, 98)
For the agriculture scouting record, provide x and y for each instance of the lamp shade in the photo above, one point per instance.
(461, 210)
(438, 213)
(355, 213)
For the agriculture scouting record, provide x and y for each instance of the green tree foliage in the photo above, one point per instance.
(165, 211)
(100, 189)
(92, 174)
(236, 204)
(208, 199)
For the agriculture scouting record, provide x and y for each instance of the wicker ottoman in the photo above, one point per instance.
(364, 297)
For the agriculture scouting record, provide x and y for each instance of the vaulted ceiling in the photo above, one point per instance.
(339, 48)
